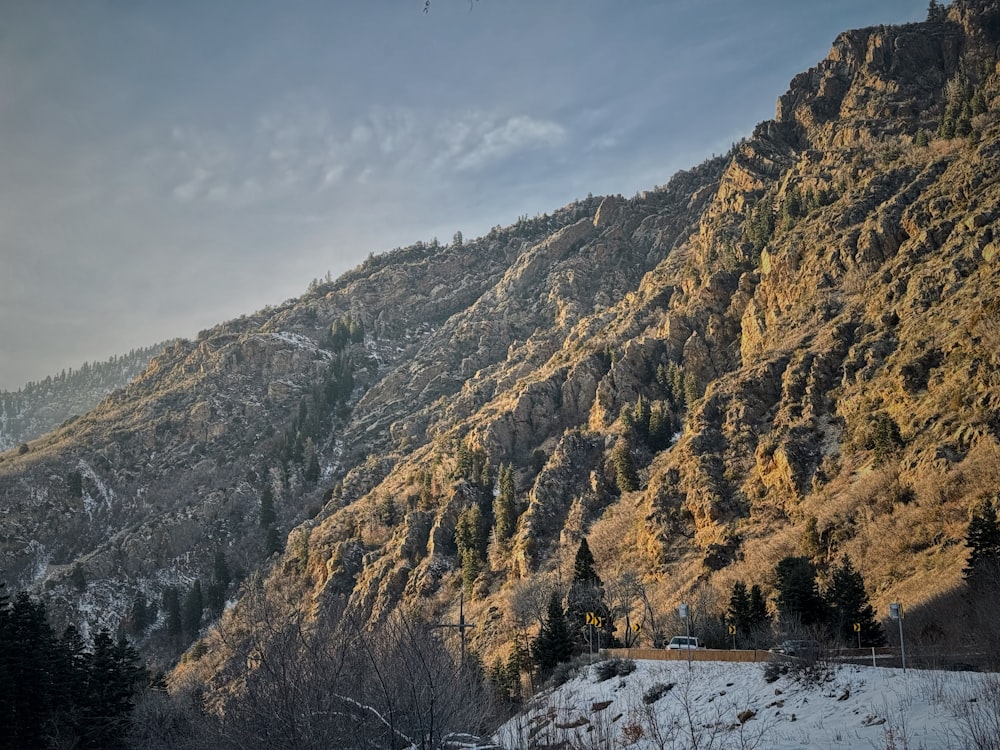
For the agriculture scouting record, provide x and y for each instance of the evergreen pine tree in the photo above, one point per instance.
(385, 510)
(470, 538)
(799, 600)
(738, 613)
(505, 678)
(759, 226)
(486, 474)
(586, 594)
(6, 672)
(693, 388)
(884, 438)
(70, 689)
(660, 427)
(983, 541)
(357, 330)
(220, 569)
(518, 661)
(112, 676)
(759, 616)
(849, 606)
(30, 660)
(194, 606)
(267, 514)
(748, 612)
(312, 471)
(272, 541)
(812, 545)
(139, 616)
(625, 473)
(172, 610)
(463, 461)
(583, 565)
(215, 593)
(53, 692)
(553, 644)
(504, 512)
(641, 415)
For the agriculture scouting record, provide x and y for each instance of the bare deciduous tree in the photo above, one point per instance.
(626, 596)
(292, 681)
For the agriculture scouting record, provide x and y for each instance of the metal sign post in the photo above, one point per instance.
(593, 620)
(590, 635)
(896, 613)
(683, 611)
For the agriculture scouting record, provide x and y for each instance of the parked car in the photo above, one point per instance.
(684, 642)
(801, 648)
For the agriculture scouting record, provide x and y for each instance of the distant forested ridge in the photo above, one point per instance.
(36, 408)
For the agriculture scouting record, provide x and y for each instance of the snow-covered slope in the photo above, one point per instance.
(725, 705)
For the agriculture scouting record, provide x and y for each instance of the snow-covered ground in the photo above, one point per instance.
(731, 705)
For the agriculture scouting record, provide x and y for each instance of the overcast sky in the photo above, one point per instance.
(166, 166)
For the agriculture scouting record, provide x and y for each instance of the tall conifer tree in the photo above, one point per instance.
(504, 514)
(850, 607)
(586, 595)
(983, 541)
(554, 643)
(799, 600)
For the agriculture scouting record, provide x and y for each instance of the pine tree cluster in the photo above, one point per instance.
(837, 611)
(57, 692)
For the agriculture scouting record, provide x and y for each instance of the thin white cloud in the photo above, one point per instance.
(604, 142)
(395, 131)
(497, 141)
(304, 152)
(193, 187)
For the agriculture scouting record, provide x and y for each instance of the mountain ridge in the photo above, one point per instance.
(811, 315)
(38, 407)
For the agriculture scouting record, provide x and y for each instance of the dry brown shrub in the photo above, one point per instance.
(614, 539)
(982, 465)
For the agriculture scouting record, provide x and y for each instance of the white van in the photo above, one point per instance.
(685, 642)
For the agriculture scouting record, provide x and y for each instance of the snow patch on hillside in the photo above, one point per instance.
(39, 558)
(297, 340)
(730, 705)
(105, 495)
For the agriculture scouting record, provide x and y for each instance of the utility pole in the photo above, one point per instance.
(461, 625)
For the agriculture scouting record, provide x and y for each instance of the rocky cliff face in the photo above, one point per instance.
(790, 348)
